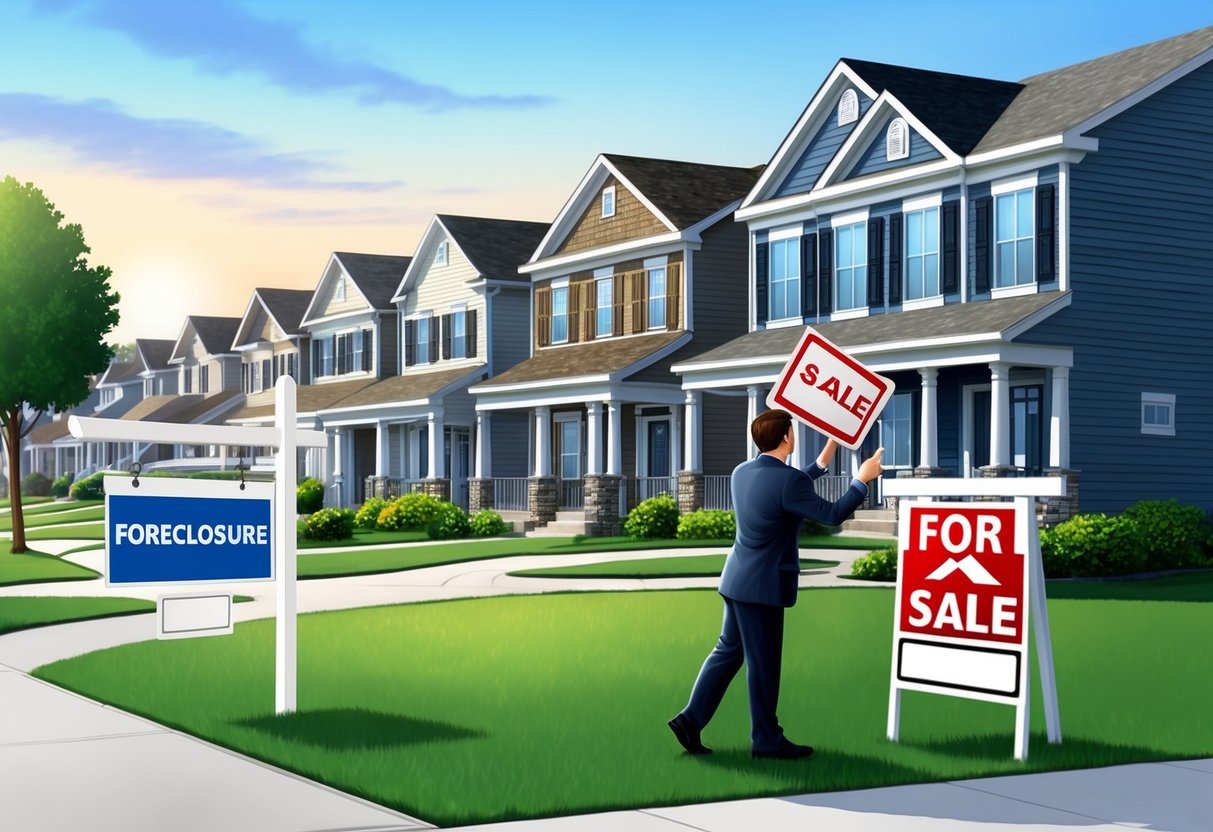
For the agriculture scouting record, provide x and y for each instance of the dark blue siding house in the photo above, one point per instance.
(1030, 262)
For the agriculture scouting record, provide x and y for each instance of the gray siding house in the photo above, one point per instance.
(1029, 262)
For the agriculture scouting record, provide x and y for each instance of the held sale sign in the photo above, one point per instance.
(962, 600)
(177, 531)
(830, 391)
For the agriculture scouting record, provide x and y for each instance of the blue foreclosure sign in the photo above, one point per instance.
(176, 531)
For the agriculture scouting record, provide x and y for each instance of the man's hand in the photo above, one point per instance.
(871, 468)
(827, 453)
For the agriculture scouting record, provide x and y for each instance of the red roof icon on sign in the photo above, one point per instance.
(974, 571)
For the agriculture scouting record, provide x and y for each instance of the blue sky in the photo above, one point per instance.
(208, 147)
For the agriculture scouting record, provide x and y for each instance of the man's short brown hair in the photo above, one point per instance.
(769, 429)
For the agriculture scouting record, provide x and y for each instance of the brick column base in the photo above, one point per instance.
(480, 495)
(543, 498)
(1060, 509)
(690, 491)
(440, 488)
(602, 505)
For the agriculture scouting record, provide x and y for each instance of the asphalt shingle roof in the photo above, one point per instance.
(412, 386)
(496, 247)
(593, 358)
(953, 320)
(287, 307)
(216, 334)
(686, 192)
(376, 275)
(119, 372)
(155, 352)
(308, 398)
(47, 433)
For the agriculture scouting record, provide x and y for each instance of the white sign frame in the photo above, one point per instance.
(1036, 614)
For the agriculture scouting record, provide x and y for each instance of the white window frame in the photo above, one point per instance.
(861, 229)
(783, 235)
(905, 256)
(560, 286)
(608, 192)
(561, 419)
(339, 289)
(1166, 400)
(607, 275)
(459, 341)
(848, 107)
(442, 255)
(651, 265)
(1017, 286)
(910, 428)
(897, 140)
(422, 343)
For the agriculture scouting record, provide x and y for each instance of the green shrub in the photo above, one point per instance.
(62, 485)
(707, 524)
(35, 485)
(309, 496)
(89, 488)
(656, 517)
(1174, 535)
(449, 523)
(368, 516)
(1093, 546)
(409, 512)
(876, 565)
(329, 524)
(488, 523)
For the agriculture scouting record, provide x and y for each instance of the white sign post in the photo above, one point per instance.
(969, 580)
(830, 391)
(286, 438)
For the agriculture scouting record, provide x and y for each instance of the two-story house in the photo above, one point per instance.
(271, 342)
(461, 310)
(1029, 262)
(643, 259)
(152, 356)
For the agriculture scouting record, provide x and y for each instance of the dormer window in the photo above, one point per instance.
(897, 140)
(848, 108)
(440, 258)
(339, 290)
(608, 202)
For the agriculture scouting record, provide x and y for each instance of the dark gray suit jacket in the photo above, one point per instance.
(771, 499)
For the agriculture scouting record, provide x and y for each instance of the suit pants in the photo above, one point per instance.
(751, 634)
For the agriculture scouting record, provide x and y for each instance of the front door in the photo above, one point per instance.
(659, 448)
(981, 429)
(1027, 428)
(458, 458)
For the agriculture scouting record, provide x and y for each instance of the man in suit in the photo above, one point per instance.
(760, 580)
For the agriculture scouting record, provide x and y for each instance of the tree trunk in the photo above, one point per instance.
(12, 438)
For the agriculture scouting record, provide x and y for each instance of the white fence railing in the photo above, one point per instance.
(572, 494)
(509, 494)
(647, 487)
(716, 492)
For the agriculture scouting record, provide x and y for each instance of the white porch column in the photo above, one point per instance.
(1000, 413)
(675, 441)
(543, 442)
(484, 450)
(694, 432)
(223, 461)
(614, 437)
(1059, 420)
(755, 395)
(338, 456)
(928, 422)
(437, 442)
(58, 463)
(382, 448)
(593, 430)
(802, 454)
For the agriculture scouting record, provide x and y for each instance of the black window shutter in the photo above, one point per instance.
(825, 263)
(368, 349)
(433, 340)
(981, 248)
(1046, 235)
(875, 262)
(446, 336)
(949, 250)
(267, 379)
(315, 359)
(761, 281)
(808, 274)
(244, 377)
(470, 334)
(410, 343)
(292, 365)
(895, 249)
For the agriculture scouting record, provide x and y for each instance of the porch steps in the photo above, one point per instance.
(566, 524)
(873, 522)
(520, 521)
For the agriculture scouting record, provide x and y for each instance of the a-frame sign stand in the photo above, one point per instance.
(969, 580)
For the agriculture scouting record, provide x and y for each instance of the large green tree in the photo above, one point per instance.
(55, 310)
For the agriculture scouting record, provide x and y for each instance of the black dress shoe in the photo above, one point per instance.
(788, 751)
(687, 735)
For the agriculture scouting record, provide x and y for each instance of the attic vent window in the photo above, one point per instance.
(440, 257)
(848, 108)
(897, 141)
(608, 202)
(339, 289)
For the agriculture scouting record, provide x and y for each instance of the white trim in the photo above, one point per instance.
(976, 487)
(324, 277)
(783, 323)
(642, 441)
(1013, 184)
(459, 306)
(590, 258)
(560, 283)
(610, 189)
(929, 302)
(688, 290)
(920, 203)
(1059, 141)
(892, 153)
(851, 115)
(848, 314)
(850, 218)
(1063, 225)
(1158, 399)
(604, 273)
(656, 262)
(1013, 291)
(490, 389)
(788, 232)
(968, 445)
(419, 314)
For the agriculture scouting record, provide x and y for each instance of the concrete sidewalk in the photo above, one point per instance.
(67, 762)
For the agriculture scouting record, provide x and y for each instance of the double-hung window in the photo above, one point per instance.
(1158, 414)
(657, 291)
(1013, 238)
(422, 328)
(851, 266)
(459, 341)
(785, 278)
(922, 254)
(560, 315)
(896, 431)
(357, 351)
(326, 356)
(604, 290)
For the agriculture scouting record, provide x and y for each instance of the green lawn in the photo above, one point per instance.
(88, 531)
(491, 709)
(54, 515)
(26, 501)
(416, 557)
(36, 568)
(22, 613)
(694, 566)
(364, 538)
